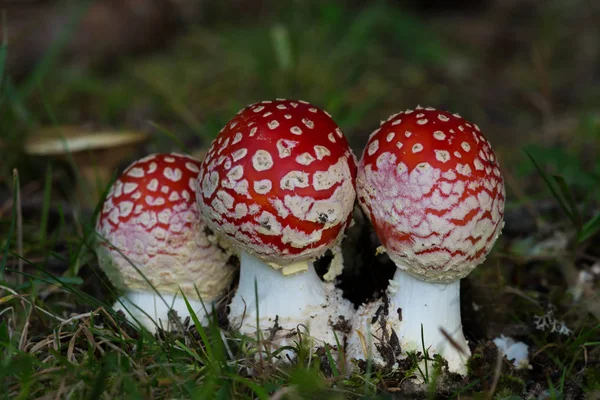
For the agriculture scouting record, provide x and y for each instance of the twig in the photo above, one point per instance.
(71, 348)
(520, 293)
(78, 317)
(497, 372)
(25, 331)
(224, 339)
(282, 393)
(453, 343)
(61, 389)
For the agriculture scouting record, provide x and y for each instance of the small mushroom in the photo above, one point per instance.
(432, 187)
(95, 154)
(153, 243)
(278, 182)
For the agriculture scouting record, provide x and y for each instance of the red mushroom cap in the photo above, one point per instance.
(150, 215)
(433, 189)
(279, 181)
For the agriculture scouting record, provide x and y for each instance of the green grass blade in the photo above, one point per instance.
(569, 199)
(100, 381)
(589, 229)
(200, 328)
(11, 231)
(172, 136)
(282, 46)
(334, 370)
(258, 331)
(190, 352)
(425, 355)
(561, 201)
(260, 392)
(46, 206)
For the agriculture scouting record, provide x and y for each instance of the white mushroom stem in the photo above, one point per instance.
(150, 311)
(293, 300)
(411, 302)
(437, 307)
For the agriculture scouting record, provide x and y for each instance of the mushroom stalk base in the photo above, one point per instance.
(412, 303)
(286, 304)
(148, 310)
(437, 307)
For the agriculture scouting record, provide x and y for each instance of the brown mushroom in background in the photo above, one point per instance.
(95, 154)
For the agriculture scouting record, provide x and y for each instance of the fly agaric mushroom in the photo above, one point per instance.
(278, 182)
(154, 241)
(432, 187)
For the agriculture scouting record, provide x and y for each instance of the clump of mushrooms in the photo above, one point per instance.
(432, 188)
(153, 243)
(278, 182)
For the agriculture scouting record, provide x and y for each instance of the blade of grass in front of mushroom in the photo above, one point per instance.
(259, 343)
(425, 356)
(341, 355)
(208, 349)
(213, 328)
(214, 356)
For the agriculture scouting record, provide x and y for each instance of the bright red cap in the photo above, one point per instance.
(279, 181)
(151, 216)
(433, 189)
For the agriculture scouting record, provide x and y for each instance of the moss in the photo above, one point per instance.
(511, 383)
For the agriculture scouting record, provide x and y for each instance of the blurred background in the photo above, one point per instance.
(123, 78)
(114, 80)
(526, 71)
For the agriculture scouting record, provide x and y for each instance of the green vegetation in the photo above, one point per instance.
(59, 337)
